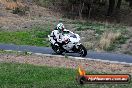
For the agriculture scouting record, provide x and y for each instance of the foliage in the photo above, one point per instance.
(20, 10)
(120, 40)
(108, 38)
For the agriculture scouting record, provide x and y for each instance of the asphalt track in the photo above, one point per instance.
(121, 58)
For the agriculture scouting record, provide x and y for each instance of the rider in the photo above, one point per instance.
(57, 34)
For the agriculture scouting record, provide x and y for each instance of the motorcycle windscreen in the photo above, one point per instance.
(74, 36)
(74, 40)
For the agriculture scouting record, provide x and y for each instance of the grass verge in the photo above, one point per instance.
(35, 37)
(98, 27)
(14, 75)
(108, 37)
(24, 53)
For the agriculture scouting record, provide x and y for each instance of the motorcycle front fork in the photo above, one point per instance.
(76, 48)
(77, 45)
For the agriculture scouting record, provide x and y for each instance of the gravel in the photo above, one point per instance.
(54, 61)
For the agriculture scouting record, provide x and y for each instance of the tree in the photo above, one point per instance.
(111, 7)
(130, 2)
(118, 4)
(81, 6)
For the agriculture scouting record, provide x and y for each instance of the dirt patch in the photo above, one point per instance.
(89, 65)
(34, 17)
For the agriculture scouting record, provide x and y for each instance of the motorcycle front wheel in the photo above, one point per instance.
(82, 51)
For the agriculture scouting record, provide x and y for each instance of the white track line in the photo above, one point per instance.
(78, 58)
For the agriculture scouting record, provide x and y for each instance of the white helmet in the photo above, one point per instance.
(60, 27)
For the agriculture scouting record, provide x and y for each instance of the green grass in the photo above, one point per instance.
(34, 37)
(121, 40)
(98, 27)
(44, 3)
(14, 75)
(24, 53)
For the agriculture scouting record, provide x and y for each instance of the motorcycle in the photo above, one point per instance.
(70, 44)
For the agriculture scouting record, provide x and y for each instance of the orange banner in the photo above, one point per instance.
(107, 78)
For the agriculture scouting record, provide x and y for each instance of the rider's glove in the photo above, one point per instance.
(60, 40)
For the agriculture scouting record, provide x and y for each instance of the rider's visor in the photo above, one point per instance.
(62, 28)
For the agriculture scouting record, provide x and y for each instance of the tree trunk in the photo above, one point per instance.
(89, 6)
(130, 3)
(118, 4)
(81, 6)
(89, 12)
(111, 7)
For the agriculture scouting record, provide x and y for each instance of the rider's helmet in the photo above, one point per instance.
(60, 27)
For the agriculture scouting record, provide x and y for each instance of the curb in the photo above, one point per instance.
(77, 58)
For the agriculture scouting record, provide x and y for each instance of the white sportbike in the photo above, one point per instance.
(71, 44)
